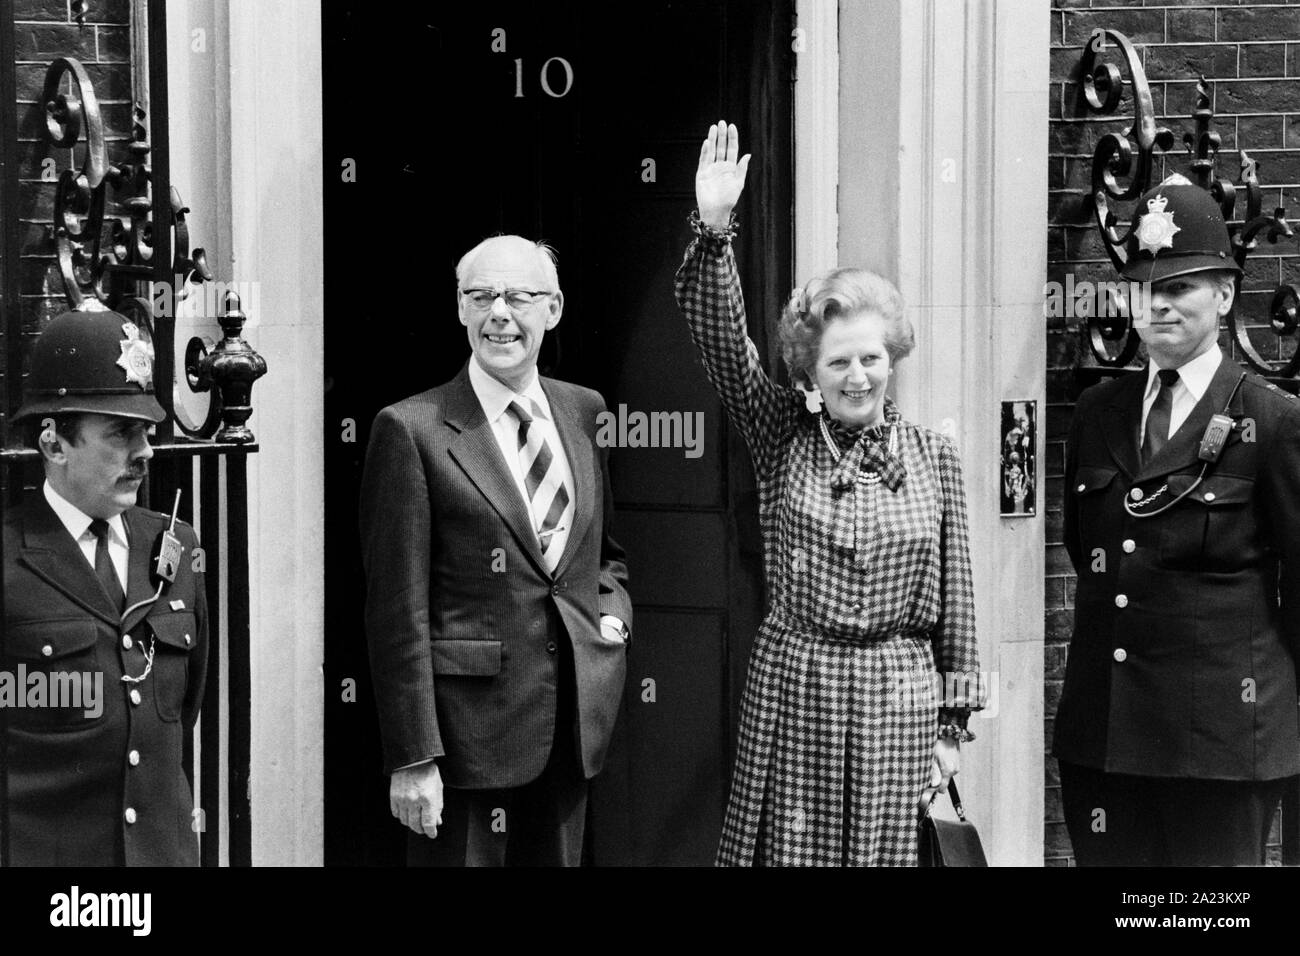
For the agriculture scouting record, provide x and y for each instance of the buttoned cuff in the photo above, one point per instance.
(711, 236)
(620, 629)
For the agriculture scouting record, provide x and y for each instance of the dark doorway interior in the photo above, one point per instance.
(446, 153)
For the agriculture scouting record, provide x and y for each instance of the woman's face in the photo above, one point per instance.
(853, 368)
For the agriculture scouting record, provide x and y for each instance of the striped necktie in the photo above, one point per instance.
(543, 480)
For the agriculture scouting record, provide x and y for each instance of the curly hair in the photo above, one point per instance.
(839, 294)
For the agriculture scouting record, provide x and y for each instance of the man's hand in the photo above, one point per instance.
(611, 629)
(945, 763)
(719, 179)
(415, 797)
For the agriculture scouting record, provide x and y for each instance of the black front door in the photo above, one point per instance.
(578, 124)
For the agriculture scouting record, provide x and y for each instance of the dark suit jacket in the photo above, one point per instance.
(462, 617)
(1195, 675)
(70, 776)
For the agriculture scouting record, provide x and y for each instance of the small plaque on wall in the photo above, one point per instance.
(1019, 484)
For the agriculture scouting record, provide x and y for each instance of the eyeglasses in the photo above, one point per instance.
(517, 300)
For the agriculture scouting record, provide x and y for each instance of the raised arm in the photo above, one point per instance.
(708, 293)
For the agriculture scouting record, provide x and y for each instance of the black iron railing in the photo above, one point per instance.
(1123, 165)
(202, 446)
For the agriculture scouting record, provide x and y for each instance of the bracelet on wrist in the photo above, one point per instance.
(702, 228)
(953, 732)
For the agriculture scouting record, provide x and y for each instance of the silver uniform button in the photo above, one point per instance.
(1209, 496)
(1136, 494)
(47, 651)
(1121, 655)
(187, 639)
(133, 758)
(130, 814)
(1121, 600)
(1081, 489)
(1129, 545)
(126, 642)
(135, 696)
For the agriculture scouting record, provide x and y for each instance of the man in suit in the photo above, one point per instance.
(1177, 730)
(497, 613)
(88, 614)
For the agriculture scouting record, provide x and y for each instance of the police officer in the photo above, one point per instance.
(104, 653)
(1177, 728)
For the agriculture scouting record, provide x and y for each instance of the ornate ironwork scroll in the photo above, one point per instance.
(118, 273)
(78, 194)
(1122, 168)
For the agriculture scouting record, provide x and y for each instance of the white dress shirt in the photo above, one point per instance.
(78, 524)
(1193, 379)
(495, 399)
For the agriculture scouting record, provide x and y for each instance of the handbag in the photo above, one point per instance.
(947, 842)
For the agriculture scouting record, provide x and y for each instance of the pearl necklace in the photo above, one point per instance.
(836, 454)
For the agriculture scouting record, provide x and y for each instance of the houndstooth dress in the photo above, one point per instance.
(868, 589)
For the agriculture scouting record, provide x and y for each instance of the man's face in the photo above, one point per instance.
(102, 472)
(507, 303)
(1184, 318)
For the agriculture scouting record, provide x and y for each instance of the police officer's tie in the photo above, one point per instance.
(1157, 435)
(543, 481)
(104, 565)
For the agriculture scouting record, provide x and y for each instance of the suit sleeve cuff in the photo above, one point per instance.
(418, 763)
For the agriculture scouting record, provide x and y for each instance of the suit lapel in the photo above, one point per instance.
(52, 554)
(476, 451)
(581, 454)
(1124, 424)
(1183, 448)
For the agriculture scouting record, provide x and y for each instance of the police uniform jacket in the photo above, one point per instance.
(108, 789)
(1187, 623)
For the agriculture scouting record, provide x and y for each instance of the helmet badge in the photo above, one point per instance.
(137, 356)
(1156, 230)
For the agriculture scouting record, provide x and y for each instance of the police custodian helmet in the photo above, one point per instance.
(1179, 229)
(92, 361)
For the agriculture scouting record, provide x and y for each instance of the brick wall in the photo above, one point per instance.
(43, 31)
(1251, 54)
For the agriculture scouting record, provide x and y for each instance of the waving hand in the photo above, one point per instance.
(720, 179)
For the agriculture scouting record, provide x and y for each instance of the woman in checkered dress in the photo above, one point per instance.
(866, 557)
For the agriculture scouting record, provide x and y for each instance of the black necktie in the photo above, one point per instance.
(1157, 435)
(104, 565)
